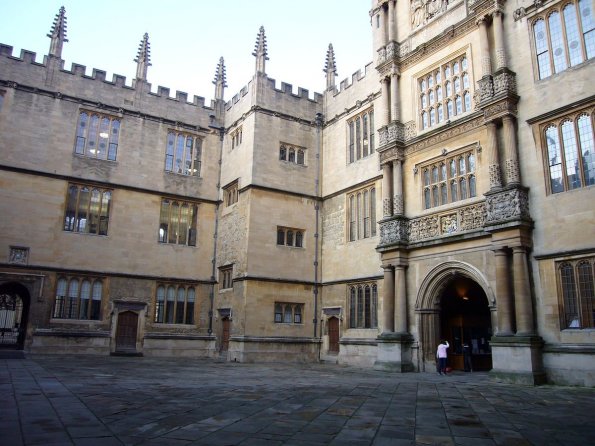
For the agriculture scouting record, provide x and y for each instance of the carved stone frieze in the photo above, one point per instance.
(394, 132)
(393, 231)
(472, 217)
(504, 82)
(410, 130)
(421, 11)
(495, 175)
(512, 171)
(506, 205)
(448, 224)
(452, 132)
(485, 88)
(503, 107)
(387, 209)
(398, 206)
(424, 228)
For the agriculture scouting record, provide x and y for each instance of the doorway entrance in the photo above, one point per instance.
(126, 332)
(465, 322)
(333, 335)
(226, 324)
(14, 311)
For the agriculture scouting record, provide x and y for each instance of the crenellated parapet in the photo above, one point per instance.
(25, 70)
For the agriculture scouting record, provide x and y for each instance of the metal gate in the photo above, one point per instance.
(11, 314)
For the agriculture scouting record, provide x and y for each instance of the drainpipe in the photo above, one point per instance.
(221, 131)
(319, 121)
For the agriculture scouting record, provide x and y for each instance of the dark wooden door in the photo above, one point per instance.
(225, 335)
(126, 331)
(333, 335)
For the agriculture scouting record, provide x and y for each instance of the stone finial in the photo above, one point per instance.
(260, 51)
(58, 34)
(220, 81)
(143, 58)
(330, 68)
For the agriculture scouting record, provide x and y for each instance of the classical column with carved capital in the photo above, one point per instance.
(501, 61)
(398, 205)
(503, 300)
(388, 300)
(513, 175)
(387, 188)
(493, 157)
(522, 293)
(484, 46)
(384, 102)
(400, 300)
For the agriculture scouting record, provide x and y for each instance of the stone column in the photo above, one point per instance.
(522, 293)
(394, 97)
(387, 189)
(484, 46)
(504, 301)
(382, 29)
(493, 157)
(511, 152)
(384, 102)
(398, 205)
(392, 28)
(499, 40)
(388, 300)
(400, 300)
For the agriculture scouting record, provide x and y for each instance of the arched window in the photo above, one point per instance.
(160, 304)
(278, 313)
(300, 157)
(299, 239)
(282, 153)
(289, 240)
(432, 117)
(291, 155)
(280, 236)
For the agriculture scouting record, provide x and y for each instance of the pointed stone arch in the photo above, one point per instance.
(427, 304)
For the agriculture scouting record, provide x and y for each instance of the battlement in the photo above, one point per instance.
(355, 77)
(29, 57)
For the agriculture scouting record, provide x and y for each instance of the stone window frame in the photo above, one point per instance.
(183, 153)
(226, 277)
(236, 137)
(290, 237)
(78, 297)
(292, 154)
(545, 50)
(2, 93)
(362, 308)
(231, 194)
(97, 135)
(175, 303)
(579, 139)
(361, 207)
(437, 178)
(288, 313)
(435, 111)
(87, 209)
(178, 222)
(360, 136)
(576, 292)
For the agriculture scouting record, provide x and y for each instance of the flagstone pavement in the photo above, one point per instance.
(53, 400)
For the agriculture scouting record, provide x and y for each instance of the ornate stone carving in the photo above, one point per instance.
(519, 13)
(423, 10)
(485, 88)
(398, 207)
(392, 50)
(453, 131)
(472, 217)
(448, 224)
(512, 171)
(393, 231)
(501, 108)
(424, 228)
(18, 255)
(506, 205)
(382, 55)
(410, 130)
(495, 175)
(392, 133)
(387, 209)
(504, 82)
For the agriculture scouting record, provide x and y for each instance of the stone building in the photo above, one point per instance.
(444, 193)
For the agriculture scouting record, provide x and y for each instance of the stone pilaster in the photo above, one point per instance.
(398, 205)
(501, 61)
(493, 157)
(395, 114)
(388, 300)
(511, 151)
(387, 187)
(400, 299)
(503, 298)
(484, 47)
(392, 26)
(522, 293)
(384, 102)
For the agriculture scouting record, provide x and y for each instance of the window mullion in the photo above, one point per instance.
(549, 44)
(562, 155)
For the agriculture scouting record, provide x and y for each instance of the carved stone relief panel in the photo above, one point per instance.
(506, 205)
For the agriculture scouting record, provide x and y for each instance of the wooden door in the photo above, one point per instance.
(225, 335)
(333, 335)
(126, 331)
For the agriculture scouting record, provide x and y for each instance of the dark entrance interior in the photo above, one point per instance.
(14, 311)
(466, 320)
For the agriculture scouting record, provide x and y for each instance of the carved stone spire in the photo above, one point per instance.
(220, 81)
(143, 58)
(260, 51)
(330, 68)
(58, 34)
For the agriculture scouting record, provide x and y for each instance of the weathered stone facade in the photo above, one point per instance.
(340, 226)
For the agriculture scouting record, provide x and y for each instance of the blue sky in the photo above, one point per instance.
(188, 37)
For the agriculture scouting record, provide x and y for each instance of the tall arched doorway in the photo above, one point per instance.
(465, 322)
(14, 312)
(442, 312)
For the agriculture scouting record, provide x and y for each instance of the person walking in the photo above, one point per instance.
(441, 355)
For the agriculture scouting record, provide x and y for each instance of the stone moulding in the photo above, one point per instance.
(400, 230)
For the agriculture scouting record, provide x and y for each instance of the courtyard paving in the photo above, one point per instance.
(105, 401)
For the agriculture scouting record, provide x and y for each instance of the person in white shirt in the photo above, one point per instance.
(441, 355)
